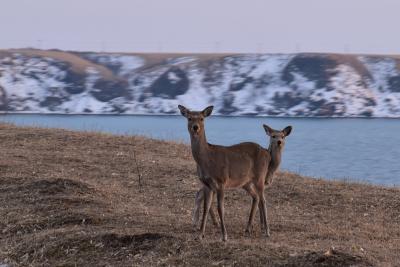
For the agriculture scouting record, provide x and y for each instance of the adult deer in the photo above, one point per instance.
(243, 165)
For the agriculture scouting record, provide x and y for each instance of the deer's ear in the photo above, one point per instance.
(207, 111)
(184, 111)
(268, 129)
(287, 130)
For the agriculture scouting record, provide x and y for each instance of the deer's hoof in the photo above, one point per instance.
(196, 227)
(200, 237)
(248, 232)
(216, 224)
(267, 234)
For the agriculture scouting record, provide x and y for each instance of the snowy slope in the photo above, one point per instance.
(256, 84)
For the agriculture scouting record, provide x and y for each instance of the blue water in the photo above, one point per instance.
(366, 150)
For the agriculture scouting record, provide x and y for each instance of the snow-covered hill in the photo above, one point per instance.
(52, 81)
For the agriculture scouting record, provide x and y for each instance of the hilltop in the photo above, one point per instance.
(72, 198)
(305, 84)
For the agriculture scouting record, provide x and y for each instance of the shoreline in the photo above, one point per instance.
(217, 115)
(374, 178)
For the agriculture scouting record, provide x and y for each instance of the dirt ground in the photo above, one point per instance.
(73, 199)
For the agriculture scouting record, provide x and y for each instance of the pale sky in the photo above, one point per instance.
(268, 26)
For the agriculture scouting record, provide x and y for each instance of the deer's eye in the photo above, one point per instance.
(201, 119)
(274, 136)
(190, 119)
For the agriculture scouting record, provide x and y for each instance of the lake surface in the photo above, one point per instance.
(365, 150)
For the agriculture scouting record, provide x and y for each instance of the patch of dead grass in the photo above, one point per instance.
(71, 198)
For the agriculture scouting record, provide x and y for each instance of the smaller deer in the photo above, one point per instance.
(275, 148)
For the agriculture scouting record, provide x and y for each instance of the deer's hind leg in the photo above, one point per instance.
(220, 200)
(197, 204)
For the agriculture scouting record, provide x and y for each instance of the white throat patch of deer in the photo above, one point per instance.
(243, 165)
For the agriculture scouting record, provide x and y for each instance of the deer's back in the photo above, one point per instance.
(238, 164)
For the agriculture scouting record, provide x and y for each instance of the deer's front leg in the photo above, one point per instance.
(264, 209)
(197, 202)
(212, 213)
(197, 205)
(250, 189)
(208, 194)
(261, 210)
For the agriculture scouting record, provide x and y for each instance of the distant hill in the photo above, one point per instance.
(306, 84)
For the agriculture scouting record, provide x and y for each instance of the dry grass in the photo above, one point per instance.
(78, 64)
(158, 58)
(70, 198)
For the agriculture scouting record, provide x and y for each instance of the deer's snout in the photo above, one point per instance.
(279, 142)
(195, 127)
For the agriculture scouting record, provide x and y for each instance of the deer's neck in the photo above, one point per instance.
(276, 156)
(199, 148)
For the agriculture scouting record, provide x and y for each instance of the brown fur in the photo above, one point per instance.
(274, 160)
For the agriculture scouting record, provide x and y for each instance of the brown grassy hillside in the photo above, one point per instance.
(78, 64)
(70, 198)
